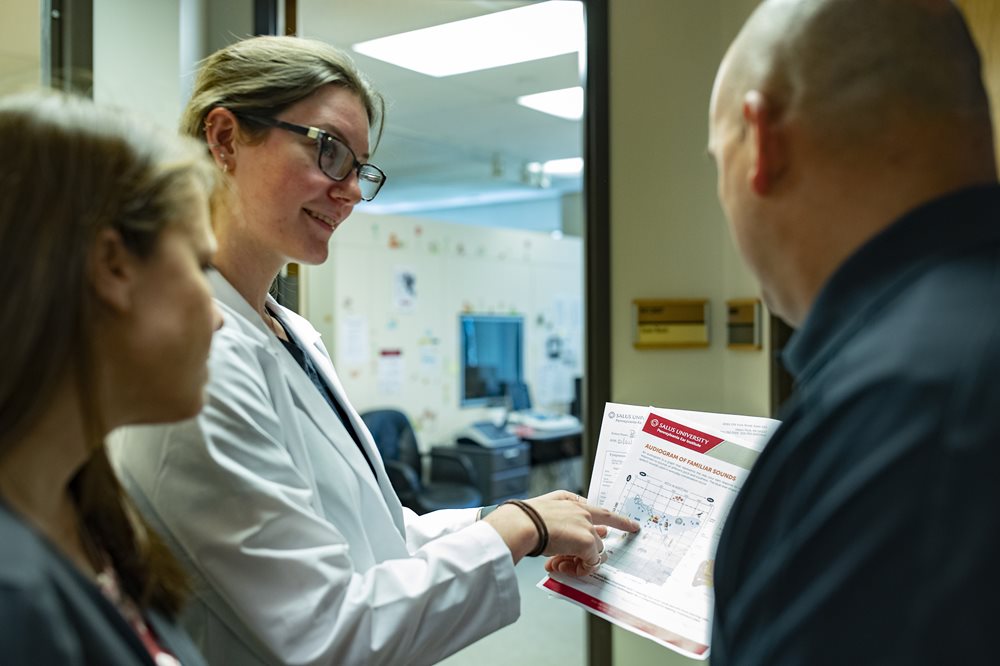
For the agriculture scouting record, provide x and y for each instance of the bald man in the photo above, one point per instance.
(855, 162)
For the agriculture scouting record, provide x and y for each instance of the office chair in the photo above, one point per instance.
(452, 483)
(520, 396)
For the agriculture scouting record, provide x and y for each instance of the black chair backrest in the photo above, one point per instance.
(393, 436)
(520, 396)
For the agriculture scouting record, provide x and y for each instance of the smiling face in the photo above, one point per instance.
(289, 207)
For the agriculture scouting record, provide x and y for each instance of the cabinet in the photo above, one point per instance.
(502, 472)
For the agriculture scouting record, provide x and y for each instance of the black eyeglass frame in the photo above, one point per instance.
(364, 171)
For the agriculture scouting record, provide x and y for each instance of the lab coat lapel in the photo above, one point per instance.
(310, 339)
(227, 294)
(316, 407)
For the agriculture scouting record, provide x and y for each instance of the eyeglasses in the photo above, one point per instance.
(336, 159)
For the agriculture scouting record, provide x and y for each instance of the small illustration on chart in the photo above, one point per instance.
(671, 518)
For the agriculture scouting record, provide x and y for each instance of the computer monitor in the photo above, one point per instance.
(492, 356)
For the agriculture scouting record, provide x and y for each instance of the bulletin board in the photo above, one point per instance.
(387, 304)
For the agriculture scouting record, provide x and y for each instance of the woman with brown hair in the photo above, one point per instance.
(107, 321)
(275, 495)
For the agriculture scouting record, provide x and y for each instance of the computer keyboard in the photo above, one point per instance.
(490, 430)
(487, 433)
(540, 420)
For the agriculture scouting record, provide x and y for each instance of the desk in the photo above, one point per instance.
(501, 472)
(555, 458)
(550, 445)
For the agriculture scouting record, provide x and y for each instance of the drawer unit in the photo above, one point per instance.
(501, 472)
(508, 484)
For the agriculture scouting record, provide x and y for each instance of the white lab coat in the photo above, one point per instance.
(298, 555)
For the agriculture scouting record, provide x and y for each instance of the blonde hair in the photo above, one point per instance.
(70, 169)
(262, 76)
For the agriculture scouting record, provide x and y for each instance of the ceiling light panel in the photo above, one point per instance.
(569, 166)
(565, 103)
(532, 32)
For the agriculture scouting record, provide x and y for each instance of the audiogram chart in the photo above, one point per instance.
(671, 518)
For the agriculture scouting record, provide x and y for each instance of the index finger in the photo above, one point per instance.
(601, 516)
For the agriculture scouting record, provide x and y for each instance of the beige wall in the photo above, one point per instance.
(984, 21)
(667, 229)
(668, 234)
(20, 45)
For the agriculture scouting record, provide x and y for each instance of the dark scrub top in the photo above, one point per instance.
(869, 530)
(50, 613)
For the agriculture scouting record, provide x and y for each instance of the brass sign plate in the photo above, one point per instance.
(663, 323)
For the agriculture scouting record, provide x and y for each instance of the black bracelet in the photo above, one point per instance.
(543, 532)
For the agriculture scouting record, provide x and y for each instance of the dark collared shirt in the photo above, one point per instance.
(868, 530)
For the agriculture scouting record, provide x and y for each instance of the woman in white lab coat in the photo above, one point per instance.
(275, 496)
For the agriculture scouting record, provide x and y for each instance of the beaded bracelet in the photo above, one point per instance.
(543, 532)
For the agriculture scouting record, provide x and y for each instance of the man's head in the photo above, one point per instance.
(829, 119)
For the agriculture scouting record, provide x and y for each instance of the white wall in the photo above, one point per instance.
(137, 57)
(228, 22)
(146, 52)
(458, 268)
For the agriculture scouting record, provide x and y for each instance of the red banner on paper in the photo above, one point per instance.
(680, 434)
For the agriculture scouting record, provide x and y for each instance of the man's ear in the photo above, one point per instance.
(769, 149)
(113, 271)
(221, 131)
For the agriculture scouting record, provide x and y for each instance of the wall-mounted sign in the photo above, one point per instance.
(743, 324)
(660, 323)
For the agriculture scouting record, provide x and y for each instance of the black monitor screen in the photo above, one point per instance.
(491, 357)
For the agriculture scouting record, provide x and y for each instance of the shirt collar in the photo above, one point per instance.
(962, 219)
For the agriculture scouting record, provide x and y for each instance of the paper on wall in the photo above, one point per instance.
(404, 289)
(352, 341)
(390, 372)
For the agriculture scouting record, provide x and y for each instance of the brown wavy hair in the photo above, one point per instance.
(71, 168)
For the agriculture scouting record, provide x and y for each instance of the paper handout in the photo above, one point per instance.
(676, 473)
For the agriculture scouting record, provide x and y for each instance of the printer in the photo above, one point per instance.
(488, 434)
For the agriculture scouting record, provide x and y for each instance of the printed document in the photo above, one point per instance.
(677, 473)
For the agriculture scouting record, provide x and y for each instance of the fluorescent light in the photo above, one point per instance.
(517, 35)
(459, 201)
(536, 174)
(566, 167)
(565, 103)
